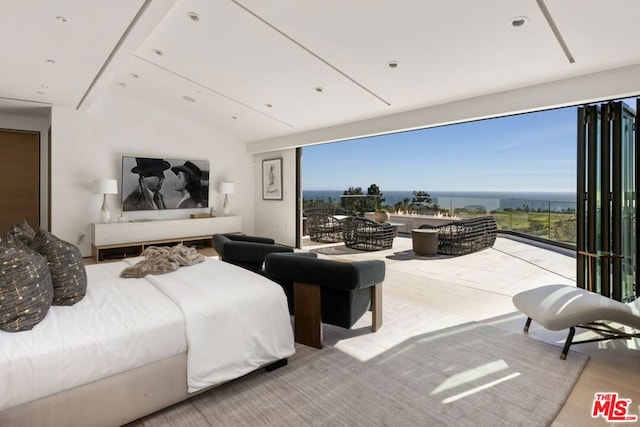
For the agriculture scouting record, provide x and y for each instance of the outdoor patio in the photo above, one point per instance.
(475, 286)
(479, 286)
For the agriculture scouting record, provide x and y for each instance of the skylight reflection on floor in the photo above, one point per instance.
(480, 388)
(470, 375)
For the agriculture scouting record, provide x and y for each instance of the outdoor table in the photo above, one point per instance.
(425, 241)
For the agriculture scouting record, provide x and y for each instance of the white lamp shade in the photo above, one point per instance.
(226, 187)
(105, 186)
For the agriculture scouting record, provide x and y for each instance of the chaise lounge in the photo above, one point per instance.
(558, 307)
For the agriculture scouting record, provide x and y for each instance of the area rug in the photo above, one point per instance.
(472, 374)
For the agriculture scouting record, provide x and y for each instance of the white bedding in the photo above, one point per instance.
(236, 320)
(120, 324)
(230, 321)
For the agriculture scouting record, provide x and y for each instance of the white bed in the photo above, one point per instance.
(102, 361)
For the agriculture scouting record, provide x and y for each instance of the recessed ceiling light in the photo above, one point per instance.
(51, 61)
(393, 64)
(188, 98)
(193, 16)
(518, 22)
(268, 105)
(157, 52)
(234, 117)
(319, 89)
(40, 92)
(122, 84)
(135, 76)
(61, 18)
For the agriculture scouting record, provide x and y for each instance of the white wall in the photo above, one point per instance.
(276, 218)
(15, 122)
(88, 145)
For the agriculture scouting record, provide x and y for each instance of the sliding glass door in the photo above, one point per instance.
(607, 180)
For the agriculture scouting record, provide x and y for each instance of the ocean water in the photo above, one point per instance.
(490, 200)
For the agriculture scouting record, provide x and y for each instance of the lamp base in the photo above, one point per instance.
(225, 206)
(105, 215)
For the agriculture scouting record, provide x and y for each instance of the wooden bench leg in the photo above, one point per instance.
(376, 307)
(307, 314)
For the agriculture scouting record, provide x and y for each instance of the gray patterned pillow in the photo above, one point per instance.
(12, 241)
(23, 231)
(65, 264)
(26, 291)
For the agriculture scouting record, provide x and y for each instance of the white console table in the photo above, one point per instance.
(116, 240)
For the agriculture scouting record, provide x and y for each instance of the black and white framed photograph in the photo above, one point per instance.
(158, 183)
(272, 179)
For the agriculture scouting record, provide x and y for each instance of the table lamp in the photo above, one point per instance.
(226, 188)
(104, 187)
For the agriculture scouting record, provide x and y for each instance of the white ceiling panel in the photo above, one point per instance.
(235, 54)
(262, 60)
(600, 34)
(166, 91)
(446, 50)
(32, 34)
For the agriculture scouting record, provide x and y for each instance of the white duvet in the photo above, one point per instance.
(236, 320)
(121, 324)
(229, 321)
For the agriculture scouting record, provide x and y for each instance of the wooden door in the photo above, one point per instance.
(20, 183)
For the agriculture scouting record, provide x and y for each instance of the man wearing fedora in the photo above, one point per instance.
(189, 185)
(147, 195)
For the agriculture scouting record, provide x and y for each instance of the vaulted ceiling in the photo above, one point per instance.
(259, 69)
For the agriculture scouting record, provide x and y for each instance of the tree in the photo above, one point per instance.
(352, 191)
(421, 198)
(353, 204)
(378, 197)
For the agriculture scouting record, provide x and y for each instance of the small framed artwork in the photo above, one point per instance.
(272, 179)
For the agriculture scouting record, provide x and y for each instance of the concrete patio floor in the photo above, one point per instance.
(474, 286)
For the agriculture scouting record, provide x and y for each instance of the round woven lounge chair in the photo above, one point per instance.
(367, 235)
(325, 224)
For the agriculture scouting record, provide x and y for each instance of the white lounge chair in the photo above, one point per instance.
(558, 307)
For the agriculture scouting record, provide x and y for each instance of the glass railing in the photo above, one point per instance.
(550, 220)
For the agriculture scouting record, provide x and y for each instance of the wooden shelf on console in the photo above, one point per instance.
(113, 241)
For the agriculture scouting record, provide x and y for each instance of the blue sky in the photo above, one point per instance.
(526, 152)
